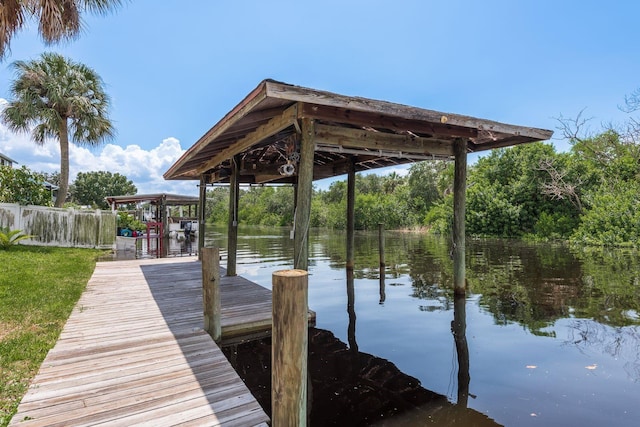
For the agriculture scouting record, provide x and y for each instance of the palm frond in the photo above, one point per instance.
(101, 6)
(59, 20)
(11, 20)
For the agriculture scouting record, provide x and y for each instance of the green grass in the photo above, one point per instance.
(39, 287)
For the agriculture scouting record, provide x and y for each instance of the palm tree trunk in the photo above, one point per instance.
(64, 163)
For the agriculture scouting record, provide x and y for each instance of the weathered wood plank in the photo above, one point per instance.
(134, 352)
(385, 108)
(361, 138)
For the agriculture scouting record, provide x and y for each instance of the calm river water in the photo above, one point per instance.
(553, 334)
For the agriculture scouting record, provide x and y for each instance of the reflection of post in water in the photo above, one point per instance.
(383, 294)
(351, 330)
(459, 327)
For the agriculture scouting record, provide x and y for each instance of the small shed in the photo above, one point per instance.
(280, 133)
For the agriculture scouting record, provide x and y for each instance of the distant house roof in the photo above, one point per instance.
(263, 129)
(50, 186)
(164, 198)
(6, 160)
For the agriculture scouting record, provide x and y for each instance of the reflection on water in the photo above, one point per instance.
(140, 247)
(546, 335)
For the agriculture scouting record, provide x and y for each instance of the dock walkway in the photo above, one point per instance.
(133, 352)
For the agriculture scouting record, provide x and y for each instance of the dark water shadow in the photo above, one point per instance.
(352, 388)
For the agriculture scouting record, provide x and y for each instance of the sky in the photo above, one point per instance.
(173, 69)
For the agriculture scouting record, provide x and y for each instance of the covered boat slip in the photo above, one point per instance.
(154, 211)
(134, 352)
(281, 133)
(265, 129)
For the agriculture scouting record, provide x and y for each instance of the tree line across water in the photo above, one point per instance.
(588, 195)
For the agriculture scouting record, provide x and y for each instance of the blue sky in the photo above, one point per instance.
(174, 68)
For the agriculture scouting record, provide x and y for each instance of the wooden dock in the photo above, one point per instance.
(133, 352)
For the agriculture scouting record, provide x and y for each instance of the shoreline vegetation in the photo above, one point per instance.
(589, 196)
(39, 287)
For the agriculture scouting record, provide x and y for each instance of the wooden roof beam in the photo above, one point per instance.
(360, 138)
(254, 98)
(373, 108)
(273, 126)
(358, 118)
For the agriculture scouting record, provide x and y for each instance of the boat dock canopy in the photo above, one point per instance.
(154, 199)
(262, 133)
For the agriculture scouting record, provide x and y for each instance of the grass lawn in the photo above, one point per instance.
(39, 287)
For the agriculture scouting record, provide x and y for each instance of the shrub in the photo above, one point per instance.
(11, 237)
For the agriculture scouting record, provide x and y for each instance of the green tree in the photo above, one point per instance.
(59, 99)
(612, 217)
(217, 211)
(369, 184)
(423, 186)
(57, 19)
(23, 186)
(506, 195)
(91, 188)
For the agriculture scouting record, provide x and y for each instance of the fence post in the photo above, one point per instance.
(289, 348)
(211, 292)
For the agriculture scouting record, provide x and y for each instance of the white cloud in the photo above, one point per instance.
(143, 167)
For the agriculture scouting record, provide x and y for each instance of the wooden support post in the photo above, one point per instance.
(289, 348)
(211, 292)
(351, 208)
(232, 231)
(303, 202)
(202, 211)
(163, 239)
(381, 248)
(459, 196)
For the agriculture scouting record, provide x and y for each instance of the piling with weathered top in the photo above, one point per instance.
(289, 348)
(211, 292)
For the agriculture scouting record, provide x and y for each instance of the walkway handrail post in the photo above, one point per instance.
(211, 292)
(289, 348)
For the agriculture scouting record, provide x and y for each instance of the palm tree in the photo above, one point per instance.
(55, 97)
(57, 19)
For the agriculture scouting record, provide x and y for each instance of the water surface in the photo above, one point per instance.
(553, 334)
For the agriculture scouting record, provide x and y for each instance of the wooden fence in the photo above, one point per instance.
(61, 227)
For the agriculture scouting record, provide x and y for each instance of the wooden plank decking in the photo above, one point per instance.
(133, 352)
